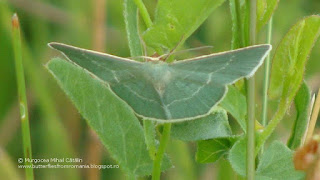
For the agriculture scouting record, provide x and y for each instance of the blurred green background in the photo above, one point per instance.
(57, 130)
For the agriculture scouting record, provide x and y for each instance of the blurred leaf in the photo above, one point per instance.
(265, 9)
(8, 168)
(277, 163)
(212, 126)
(291, 56)
(302, 102)
(211, 150)
(7, 75)
(176, 20)
(235, 103)
(131, 21)
(237, 157)
(112, 119)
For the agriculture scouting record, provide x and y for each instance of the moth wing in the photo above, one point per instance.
(227, 67)
(199, 84)
(125, 77)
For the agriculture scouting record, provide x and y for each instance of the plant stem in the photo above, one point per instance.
(149, 135)
(266, 79)
(250, 98)
(239, 22)
(283, 105)
(251, 129)
(144, 12)
(165, 137)
(24, 115)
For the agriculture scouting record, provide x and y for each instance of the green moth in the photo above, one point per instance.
(169, 92)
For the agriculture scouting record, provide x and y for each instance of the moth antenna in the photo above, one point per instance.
(146, 57)
(175, 48)
(188, 50)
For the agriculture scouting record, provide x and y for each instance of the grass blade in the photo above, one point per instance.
(24, 116)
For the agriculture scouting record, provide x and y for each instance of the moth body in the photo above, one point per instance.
(158, 73)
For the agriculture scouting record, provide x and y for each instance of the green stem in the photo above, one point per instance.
(165, 137)
(251, 98)
(239, 22)
(149, 135)
(251, 129)
(266, 79)
(24, 115)
(146, 18)
(144, 13)
(283, 105)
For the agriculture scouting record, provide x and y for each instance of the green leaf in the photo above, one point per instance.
(8, 167)
(236, 104)
(150, 137)
(291, 56)
(211, 150)
(288, 68)
(176, 20)
(237, 157)
(265, 9)
(236, 24)
(111, 118)
(131, 21)
(277, 163)
(212, 126)
(302, 103)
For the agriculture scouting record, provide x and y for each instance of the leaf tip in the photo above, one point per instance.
(15, 21)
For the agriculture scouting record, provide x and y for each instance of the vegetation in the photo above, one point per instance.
(262, 129)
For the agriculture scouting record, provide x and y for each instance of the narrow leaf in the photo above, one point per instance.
(131, 21)
(212, 126)
(302, 102)
(236, 24)
(265, 9)
(176, 20)
(111, 118)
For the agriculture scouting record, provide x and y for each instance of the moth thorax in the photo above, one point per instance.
(160, 76)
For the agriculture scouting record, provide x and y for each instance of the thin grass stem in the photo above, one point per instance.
(251, 97)
(266, 78)
(24, 115)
